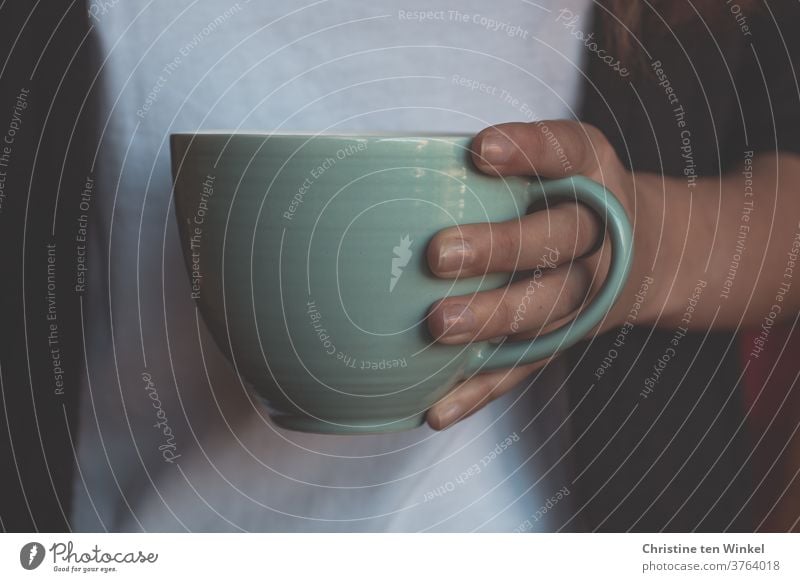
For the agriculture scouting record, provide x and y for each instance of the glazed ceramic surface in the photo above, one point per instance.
(307, 258)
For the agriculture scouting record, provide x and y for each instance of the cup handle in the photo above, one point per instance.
(487, 356)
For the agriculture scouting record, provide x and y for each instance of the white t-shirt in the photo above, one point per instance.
(203, 458)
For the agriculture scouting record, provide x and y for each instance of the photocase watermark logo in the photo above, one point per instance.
(31, 555)
(402, 255)
(570, 21)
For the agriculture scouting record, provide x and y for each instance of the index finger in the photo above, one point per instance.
(552, 149)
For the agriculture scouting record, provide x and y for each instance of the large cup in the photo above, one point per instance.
(306, 255)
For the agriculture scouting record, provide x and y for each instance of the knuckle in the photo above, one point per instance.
(576, 289)
(564, 225)
(567, 303)
(603, 152)
(503, 314)
(574, 228)
(584, 145)
(506, 247)
(596, 136)
(588, 228)
(536, 142)
(486, 390)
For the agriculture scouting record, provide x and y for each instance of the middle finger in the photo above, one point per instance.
(555, 236)
(529, 304)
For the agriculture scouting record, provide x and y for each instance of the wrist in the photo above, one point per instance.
(658, 278)
(678, 268)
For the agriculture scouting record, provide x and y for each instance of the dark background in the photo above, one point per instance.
(46, 50)
(678, 464)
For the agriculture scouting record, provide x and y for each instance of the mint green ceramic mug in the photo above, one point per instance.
(306, 256)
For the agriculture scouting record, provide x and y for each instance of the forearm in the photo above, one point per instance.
(731, 242)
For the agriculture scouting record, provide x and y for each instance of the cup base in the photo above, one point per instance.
(309, 424)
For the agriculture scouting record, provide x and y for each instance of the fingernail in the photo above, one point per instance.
(454, 255)
(449, 414)
(496, 149)
(457, 319)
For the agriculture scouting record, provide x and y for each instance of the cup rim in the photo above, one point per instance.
(332, 135)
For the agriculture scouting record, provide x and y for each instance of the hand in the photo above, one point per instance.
(566, 279)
